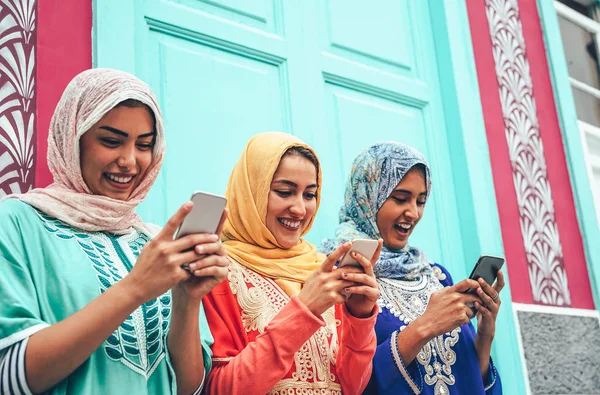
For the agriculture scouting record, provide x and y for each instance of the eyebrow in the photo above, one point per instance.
(293, 184)
(409, 192)
(122, 133)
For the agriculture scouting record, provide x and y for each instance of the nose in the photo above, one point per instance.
(126, 159)
(412, 212)
(298, 208)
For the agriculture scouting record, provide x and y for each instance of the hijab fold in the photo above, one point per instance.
(375, 174)
(87, 98)
(245, 235)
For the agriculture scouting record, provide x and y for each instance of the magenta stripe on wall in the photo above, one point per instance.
(64, 50)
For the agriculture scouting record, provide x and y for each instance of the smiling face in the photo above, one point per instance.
(403, 209)
(292, 199)
(116, 152)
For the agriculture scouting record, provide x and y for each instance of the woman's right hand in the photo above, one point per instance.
(159, 266)
(447, 309)
(322, 288)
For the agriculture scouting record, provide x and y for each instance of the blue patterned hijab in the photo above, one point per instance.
(375, 174)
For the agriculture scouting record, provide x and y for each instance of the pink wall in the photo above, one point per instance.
(558, 174)
(524, 85)
(64, 49)
(514, 248)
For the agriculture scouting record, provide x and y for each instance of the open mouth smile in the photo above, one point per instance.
(119, 181)
(403, 228)
(289, 224)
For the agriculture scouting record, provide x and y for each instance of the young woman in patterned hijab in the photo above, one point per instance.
(89, 291)
(426, 343)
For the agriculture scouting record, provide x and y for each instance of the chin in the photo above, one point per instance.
(287, 244)
(116, 196)
(396, 245)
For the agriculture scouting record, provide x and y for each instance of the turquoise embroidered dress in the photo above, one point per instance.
(49, 270)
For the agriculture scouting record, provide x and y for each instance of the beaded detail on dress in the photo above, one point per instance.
(408, 300)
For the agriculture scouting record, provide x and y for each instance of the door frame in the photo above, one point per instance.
(472, 172)
(463, 117)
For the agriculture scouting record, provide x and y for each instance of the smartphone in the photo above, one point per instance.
(487, 267)
(205, 216)
(365, 247)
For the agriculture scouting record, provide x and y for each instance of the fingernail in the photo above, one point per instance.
(188, 204)
(481, 281)
(199, 250)
(192, 266)
(213, 238)
(354, 254)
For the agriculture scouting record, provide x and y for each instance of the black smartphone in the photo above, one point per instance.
(487, 267)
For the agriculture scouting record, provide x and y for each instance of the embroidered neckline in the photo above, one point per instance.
(407, 300)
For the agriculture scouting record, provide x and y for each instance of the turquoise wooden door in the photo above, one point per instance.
(339, 74)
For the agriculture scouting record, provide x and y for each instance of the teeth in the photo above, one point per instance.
(291, 224)
(120, 180)
(404, 226)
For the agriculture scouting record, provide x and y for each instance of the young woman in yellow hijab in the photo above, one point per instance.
(281, 323)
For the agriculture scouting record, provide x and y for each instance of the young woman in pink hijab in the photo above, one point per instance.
(95, 301)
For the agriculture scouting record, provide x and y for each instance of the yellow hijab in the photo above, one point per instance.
(245, 235)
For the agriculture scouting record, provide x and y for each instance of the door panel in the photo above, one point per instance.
(260, 14)
(340, 75)
(377, 33)
(204, 130)
(215, 93)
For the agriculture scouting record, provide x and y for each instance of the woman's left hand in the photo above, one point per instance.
(208, 271)
(487, 309)
(364, 293)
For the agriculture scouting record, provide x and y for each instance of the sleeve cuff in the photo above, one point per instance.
(293, 326)
(295, 306)
(359, 332)
(201, 386)
(361, 321)
(492, 374)
(12, 369)
(402, 368)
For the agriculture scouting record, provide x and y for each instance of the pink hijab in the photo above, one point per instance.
(87, 98)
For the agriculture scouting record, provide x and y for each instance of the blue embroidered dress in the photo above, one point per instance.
(448, 364)
(50, 270)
